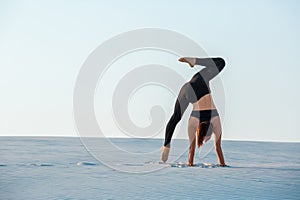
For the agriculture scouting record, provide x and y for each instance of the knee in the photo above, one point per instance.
(220, 63)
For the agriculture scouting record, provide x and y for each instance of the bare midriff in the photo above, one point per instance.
(204, 103)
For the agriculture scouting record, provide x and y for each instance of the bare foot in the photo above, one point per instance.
(165, 153)
(188, 60)
(189, 164)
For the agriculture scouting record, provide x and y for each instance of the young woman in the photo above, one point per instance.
(204, 118)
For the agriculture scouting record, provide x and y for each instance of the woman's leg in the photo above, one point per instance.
(180, 106)
(189, 60)
(211, 62)
(207, 62)
(213, 66)
(217, 129)
(192, 127)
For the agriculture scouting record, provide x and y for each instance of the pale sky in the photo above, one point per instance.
(43, 45)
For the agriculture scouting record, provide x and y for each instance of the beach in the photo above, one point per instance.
(62, 168)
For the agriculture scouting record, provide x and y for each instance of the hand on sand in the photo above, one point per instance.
(165, 153)
(188, 60)
(223, 165)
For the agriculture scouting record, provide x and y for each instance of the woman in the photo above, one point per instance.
(204, 116)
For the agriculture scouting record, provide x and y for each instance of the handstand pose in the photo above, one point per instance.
(204, 118)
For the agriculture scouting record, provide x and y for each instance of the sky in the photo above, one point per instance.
(43, 45)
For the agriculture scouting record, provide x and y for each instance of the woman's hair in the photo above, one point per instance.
(204, 129)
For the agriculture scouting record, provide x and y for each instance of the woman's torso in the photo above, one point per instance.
(204, 103)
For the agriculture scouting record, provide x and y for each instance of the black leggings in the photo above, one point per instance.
(193, 90)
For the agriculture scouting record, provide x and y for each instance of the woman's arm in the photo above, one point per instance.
(217, 129)
(191, 153)
(219, 151)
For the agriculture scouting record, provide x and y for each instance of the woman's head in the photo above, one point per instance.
(204, 129)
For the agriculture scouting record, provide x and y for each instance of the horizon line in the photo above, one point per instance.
(75, 136)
